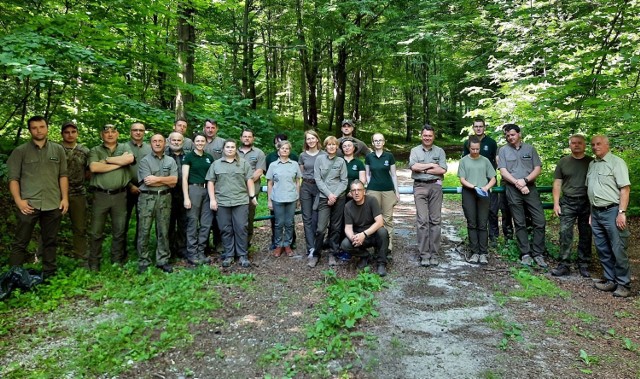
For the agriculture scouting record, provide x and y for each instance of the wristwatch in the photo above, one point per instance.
(621, 211)
(252, 197)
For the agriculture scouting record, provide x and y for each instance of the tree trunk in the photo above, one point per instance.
(340, 84)
(186, 54)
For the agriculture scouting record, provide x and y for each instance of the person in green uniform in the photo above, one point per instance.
(256, 159)
(178, 219)
(39, 185)
(140, 149)
(158, 173)
(109, 164)
(380, 166)
(230, 187)
(476, 171)
(355, 167)
(196, 200)
(77, 156)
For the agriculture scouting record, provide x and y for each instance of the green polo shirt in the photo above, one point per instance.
(380, 171)
(230, 180)
(139, 152)
(76, 167)
(153, 165)
(488, 149)
(605, 178)
(354, 168)
(198, 167)
(115, 179)
(476, 171)
(38, 171)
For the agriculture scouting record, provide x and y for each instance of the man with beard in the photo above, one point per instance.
(256, 159)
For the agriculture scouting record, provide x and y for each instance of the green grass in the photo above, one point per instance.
(90, 324)
(533, 286)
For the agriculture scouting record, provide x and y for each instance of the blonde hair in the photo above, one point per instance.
(312, 132)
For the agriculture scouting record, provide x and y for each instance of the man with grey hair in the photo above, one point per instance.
(178, 218)
(608, 187)
(573, 206)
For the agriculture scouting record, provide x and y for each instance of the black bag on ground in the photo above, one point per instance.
(18, 277)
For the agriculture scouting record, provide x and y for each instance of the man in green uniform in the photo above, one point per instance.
(215, 144)
(109, 163)
(158, 173)
(608, 187)
(77, 156)
(39, 186)
(140, 149)
(257, 160)
(347, 132)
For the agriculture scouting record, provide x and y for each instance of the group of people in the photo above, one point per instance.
(193, 187)
(590, 192)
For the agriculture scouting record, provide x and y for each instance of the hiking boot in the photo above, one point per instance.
(561, 270)
(363, 263)
(483, 259)
(244, 262)
(288, 251)
(227, 262)
(166, 268)
(526, 260)
(313, 261)
(382, 270)
(277, 252)
(433, 261)
(539, 259)
(606, 285)
(332, 260)
(474, 258)
(622, 291)
(584, 272)
(424, 262)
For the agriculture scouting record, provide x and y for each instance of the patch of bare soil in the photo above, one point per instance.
(438, 322)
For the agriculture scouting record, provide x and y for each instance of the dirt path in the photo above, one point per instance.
(451, 321)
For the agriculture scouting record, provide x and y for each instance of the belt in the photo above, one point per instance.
(425, 181)
(606, 208)
(312, 181)
(161, 192)
(203, 185)
(110, 192)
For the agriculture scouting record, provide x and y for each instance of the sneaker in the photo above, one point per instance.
(526, 260)
(382, 270)
(227, 262)
(244, 262)
(561, 270)
(584, 272)
(166, 268)
(332, 260)
(474, 258)
(483, 259)
(277, 251)
(424, 262)
(313, 261)
(606, 285)
(622, 291)
(539, 259)
(434, 261)
(288, 251)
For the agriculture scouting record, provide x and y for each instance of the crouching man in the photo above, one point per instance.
(364, 227)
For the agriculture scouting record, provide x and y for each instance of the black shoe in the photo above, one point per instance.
(364, 262)
(561, 270)
(142, 269)
(382, 269)
(227, 262)
(584, 271)
(166, 268)
(244, 262)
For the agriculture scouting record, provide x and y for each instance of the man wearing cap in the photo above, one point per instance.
(77, 156)
(159, 173)
(214, 144)
(428, 164)
(140, 149)
(256, 159)
(109, 163)
(347, 132)
(608, 188)
(519, 166)
(181, 126)
(39, 186)
(178, 218)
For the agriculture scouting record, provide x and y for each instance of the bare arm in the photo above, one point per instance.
(269, 191)
(63, 181)
(557, 185)
(213, 202)
(621, 219)
(394, 178)
(185, 186)
(157, 181)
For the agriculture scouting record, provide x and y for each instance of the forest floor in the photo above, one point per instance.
(455, 320)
